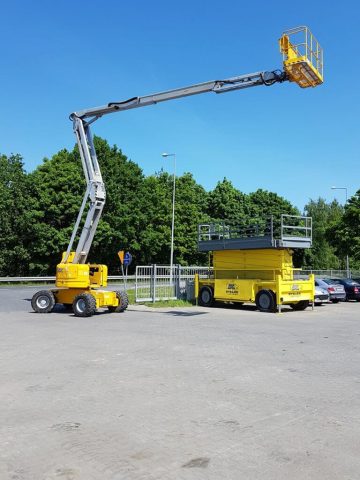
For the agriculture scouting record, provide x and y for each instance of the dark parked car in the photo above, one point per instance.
(352, 288)
(336, 291)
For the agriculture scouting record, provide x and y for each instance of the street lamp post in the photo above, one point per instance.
(346, 199)
(173, 215)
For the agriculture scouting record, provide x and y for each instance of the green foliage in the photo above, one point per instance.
(226, 203)
(263, 204)
(344, 232)
(123, 212)
(324, 216)
(155, 234)
(15, 220)
(57, 188)
(38, 212)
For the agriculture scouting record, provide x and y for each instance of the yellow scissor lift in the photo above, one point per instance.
(253, 263)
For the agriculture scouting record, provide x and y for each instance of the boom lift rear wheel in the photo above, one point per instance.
(43, 301)
(265, 300)
(123, 302)
(84, 305)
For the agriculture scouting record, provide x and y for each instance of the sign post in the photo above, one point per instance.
(125, 260)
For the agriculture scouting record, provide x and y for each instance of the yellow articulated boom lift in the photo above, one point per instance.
(253, 263)
(79, 283)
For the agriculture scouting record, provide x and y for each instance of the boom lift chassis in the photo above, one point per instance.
(78, 284)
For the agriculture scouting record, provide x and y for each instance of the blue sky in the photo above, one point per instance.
(59, 57)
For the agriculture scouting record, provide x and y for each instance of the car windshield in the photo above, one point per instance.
(327, 280)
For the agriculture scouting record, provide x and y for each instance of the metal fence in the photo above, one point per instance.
(329, 273)
(157, 282)
(160, 282)
(52, 279)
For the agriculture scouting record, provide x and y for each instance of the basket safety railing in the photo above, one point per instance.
(302, 57)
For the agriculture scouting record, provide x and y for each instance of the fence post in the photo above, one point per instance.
(136, 283)
(153, 278)
(177, 284)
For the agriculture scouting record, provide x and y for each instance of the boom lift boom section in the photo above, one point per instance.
(82, 120)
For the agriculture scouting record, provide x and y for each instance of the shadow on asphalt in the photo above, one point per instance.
(59, 308)
(176, 313)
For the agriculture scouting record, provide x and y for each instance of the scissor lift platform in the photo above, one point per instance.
(292, 231)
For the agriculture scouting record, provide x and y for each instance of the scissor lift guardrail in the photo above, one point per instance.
(293, 231)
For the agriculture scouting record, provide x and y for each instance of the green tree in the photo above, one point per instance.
(322, 255)
(124, 209)
(155, 235)
(344, 233)
(154, 222)
(263, 203)
(226, 203)
(15, 219)
(190, 204)
(58, 190)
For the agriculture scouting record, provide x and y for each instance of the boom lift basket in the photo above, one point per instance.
(302, 57)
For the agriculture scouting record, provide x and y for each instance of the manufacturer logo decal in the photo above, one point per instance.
(232, 289)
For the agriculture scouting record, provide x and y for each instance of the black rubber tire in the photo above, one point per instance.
(300, 305)
(43, 301)
(266, 300)
(336, 300)
(84, 305)
(206, 297)
(123, 302)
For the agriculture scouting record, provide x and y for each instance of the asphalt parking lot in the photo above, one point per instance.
(183, 393)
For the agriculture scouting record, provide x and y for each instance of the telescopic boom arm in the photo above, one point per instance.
(95, 191)
(216, 86)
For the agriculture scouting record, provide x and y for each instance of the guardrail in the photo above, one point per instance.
(132, 278)
(52, 279)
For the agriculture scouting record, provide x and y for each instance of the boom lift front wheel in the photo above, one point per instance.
(266, 300)
(84, 305)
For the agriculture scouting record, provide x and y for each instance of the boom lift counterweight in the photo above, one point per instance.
(78, 283)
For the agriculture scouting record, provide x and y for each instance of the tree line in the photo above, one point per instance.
(38, 211)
